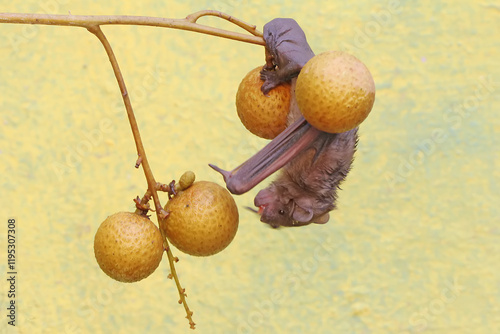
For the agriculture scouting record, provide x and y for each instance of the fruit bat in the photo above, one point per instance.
(313, 163)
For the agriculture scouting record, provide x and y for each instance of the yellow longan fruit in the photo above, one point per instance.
(335, 91)
(202, 220)
(264, 116)
(128, 247)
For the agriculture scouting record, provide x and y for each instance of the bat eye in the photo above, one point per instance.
(281, 212)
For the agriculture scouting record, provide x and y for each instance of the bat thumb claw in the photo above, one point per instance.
(225, 174)
(234, 186)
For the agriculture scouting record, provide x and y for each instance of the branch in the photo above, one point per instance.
(188, 23)
(160, 213)
(92, 24)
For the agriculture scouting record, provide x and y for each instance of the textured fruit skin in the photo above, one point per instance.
(264, 116)
(128, 247)
(335, 91)
(203, 219)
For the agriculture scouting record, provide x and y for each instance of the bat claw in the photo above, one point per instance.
(234, 186)
(225, 174)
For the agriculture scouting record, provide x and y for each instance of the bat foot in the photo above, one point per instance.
(271, 80)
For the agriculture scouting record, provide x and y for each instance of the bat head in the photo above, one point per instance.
(277, 209)
(274, 210)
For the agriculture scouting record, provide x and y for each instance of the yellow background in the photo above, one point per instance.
(413, 248)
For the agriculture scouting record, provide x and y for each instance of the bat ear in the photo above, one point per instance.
(301, 215)
(302, 211)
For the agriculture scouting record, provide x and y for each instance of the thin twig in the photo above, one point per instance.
(188, 23)
(250, 28)
(96, 30)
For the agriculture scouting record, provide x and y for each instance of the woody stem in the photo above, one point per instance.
(161, 214)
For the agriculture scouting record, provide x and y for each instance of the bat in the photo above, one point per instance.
(313, 163)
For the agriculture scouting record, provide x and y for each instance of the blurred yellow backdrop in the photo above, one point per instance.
(413, 248)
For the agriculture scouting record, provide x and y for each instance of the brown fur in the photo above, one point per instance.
(306, 188)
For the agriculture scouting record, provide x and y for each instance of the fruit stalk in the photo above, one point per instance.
(188, 23)
(161, 214)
